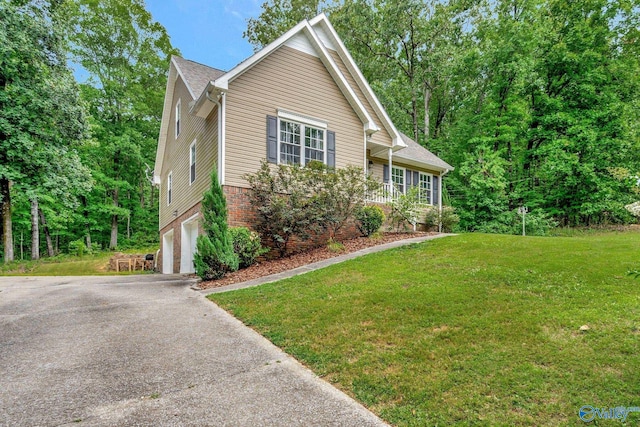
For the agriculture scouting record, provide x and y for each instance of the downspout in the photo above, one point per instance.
(390, 183)
(446, 171)
(220, 103)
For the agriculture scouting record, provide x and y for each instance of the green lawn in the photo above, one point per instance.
(67, 265)
(473, 329)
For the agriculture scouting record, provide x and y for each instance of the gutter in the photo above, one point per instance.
(220, 103)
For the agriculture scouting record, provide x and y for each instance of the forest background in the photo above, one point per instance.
(535, 103)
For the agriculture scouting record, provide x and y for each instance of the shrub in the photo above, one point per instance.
(214, 256)
(246, 245)
(405, 209)
(345, 191)
(445, 216)
(537, 223)
(334, 246)
(77, 247)
(369, 219)
(285, 204)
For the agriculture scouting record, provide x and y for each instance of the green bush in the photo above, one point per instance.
(447, 216)
(214, 256)
(246, 245)
(210, 262)
(405, 209)
(369, 219)
(537, 223)
(77, 247)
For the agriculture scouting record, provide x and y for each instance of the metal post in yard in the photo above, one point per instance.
(522, 210)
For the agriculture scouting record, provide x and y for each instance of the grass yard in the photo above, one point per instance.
(474, 329)
(68, 265)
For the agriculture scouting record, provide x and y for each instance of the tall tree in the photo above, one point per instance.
(41, 117)
(535, 102)
(277, 17)
(126, 55)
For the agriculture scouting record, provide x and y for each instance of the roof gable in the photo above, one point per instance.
(196, 76)
(293, 36)
(416, 153)
(330, 38)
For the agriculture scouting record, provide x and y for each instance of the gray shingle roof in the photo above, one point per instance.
(418, 153)
(197, 76)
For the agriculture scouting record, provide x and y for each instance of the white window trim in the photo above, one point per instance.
(301, 118)
(178, 113)
(192, 161)
(169, 188)
(404, 177)
(303, 127)
(421, 174)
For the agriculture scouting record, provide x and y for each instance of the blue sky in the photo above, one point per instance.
(207, 31)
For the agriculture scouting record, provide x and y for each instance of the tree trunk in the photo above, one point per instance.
(427, 100)
(35, 229)
(114, 223)
(7, 226)
(414, 115)
(87, 225)
(47, 235)
(142, 182)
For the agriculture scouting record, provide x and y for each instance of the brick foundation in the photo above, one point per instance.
(240, 213)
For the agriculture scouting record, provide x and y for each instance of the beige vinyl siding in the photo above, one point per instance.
(380, 137)
(176, 157)
(291, 80)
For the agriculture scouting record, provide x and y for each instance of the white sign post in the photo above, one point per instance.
(522, 210)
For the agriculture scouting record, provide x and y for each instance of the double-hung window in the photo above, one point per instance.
(192, 162)
(425, 188)
(169, 187)
(397, 178)
(301, 143)
(178, 117)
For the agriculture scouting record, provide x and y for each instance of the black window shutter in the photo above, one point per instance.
(436, 190)
(331, 149)
(408, 175)
(272, 139)
(416, 178)
(385, 173)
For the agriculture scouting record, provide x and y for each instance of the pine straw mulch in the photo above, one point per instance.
(267, 267)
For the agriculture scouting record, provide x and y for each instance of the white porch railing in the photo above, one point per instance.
(385, 194)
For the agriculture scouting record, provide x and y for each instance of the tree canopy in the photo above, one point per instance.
(534, 102)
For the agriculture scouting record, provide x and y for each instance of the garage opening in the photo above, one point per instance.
(167, 253)
(188, 244)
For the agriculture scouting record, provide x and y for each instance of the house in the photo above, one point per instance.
(300, 98)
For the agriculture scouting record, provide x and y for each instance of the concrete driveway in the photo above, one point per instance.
(147, 350)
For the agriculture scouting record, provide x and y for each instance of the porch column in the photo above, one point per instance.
(390, 164)
(440, 203)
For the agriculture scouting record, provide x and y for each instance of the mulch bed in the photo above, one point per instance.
(267, 267)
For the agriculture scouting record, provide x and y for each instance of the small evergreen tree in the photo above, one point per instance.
(214, 256)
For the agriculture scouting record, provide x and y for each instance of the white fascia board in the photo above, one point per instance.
(419, 164)
(258, 56)
(186, 83)
(355, 71)
(340, 80)
(164, 123)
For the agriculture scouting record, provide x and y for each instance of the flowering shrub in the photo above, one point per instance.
(634, 209)
(405, 209)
